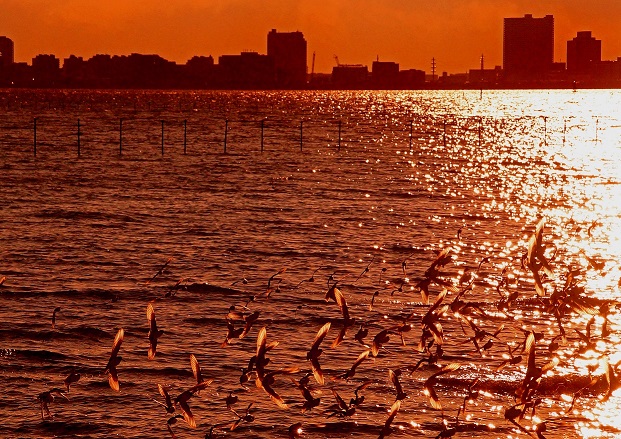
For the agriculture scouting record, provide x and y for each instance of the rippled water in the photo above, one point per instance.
(411, 174)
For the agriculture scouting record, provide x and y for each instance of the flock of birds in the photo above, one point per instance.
(560, 302)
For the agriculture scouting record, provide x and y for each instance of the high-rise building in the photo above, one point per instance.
(7, 54)
(583, 52)
(289, 52)
(528, 46)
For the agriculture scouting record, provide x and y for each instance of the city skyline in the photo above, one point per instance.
(410, 33)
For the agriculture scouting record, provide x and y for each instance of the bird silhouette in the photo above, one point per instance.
(71, 378)
(182, 399)
(386, 429)
(352, 371)
(154, 333)
(48, 397)
(314, 353)
(393, 375)
(113, 362)
(168, 404)
(429, 389)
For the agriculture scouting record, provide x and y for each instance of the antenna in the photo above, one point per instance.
(433, 69)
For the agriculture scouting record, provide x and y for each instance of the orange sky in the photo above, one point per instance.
(409, 32)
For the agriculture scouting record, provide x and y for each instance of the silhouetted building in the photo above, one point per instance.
(411, 79)
(385, 75)
(528, 47)
(582, 53)
(7, 52)
(249, 70)
(289, 52)
(485, 76)
(45, 71)
(350, 76)
(199, 72)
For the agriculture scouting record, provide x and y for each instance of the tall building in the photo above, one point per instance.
(583, 53)
(528, 47)
(7, 52)
(289, 52)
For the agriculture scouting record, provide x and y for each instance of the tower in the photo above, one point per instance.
(528, 46)
(7, 52)
(583, 52)
(288, 50)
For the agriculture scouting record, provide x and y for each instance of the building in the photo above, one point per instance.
(289, 52)
(248, 70)
(7, 52)
(583, 53)
(528, 47)
(350, 76)
(45, 71)
(385, 75)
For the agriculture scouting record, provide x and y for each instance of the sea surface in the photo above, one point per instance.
(195, 202)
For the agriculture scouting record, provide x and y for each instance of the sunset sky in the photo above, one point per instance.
(410, 32)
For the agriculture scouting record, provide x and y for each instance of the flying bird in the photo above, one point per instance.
(314, 353)
(154, 333)
(113, 362)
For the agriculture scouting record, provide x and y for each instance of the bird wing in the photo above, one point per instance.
(321, 334)
(196, 368)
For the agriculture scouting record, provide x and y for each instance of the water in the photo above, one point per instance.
(87, 234)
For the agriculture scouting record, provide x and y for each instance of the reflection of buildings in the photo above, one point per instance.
(288, 52)
(528, 47)
(583, 53)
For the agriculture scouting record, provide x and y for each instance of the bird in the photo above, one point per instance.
(231, 334)
(71, 378)
(230, 400)
(339, 298)
(361, 334)
(392, 413)
(314, 353)
(168, 405)
(247, 417)
(250, 320)
(48, 397)
(394, 378)
(172, 421)
(113, 362)
(310, 401)
(429, 389)
(160, 271)
(196, 369)
(56, 310)
(341, 408)
(154, 333)
(181, 401)
(352, 371)
(359, 399)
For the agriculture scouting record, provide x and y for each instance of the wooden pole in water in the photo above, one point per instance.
(262, 129)
(301, 134)
(480, 121)
(78, 137)
(596, 129)
(120, 136)
(162, 138)
(226, 132)
(444, 135)
(411, 128)
(564, 130)
(545, 130)
(35, 137)
(339, 135)
(185, 135)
